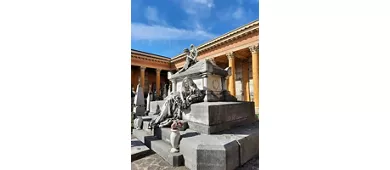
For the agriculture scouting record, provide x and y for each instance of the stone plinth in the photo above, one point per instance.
(227, 150)
(212, 117)
(207, 76)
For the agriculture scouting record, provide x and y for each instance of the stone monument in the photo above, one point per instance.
(221, 133)
(139, 102)
(148, 103)
(165, 91)
(132, 98)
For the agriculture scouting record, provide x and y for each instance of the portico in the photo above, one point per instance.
(237, 49)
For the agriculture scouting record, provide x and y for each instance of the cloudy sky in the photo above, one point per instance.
(166, 27)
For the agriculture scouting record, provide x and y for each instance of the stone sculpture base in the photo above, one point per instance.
(221, 135)
(226, 150)
(213, 117)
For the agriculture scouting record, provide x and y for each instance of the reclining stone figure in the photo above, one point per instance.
(175, 103)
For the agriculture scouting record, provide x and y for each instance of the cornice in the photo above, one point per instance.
(226, 38)
(148, 58)
(233, 35)
(149, 55)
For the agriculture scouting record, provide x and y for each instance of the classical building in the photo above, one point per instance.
(237, 49)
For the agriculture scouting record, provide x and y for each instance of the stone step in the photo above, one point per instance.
(165, 133)
(159, 146)
(138, 149)
(145, 126)
(226, 150)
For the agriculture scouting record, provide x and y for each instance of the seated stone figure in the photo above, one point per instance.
(190, 57)
(175, 103)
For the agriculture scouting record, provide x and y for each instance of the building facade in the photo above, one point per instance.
(237, 49)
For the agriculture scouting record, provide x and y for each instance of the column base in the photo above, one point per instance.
(257, 110)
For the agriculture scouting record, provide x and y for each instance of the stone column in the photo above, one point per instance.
(245, 80)
(232, 78)
(143, 77)
(158, 81)
(255, 70)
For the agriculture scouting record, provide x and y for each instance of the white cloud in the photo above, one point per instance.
(152, 15)
(141, 31)
(199, 8)
(208, 3)
(238, 13)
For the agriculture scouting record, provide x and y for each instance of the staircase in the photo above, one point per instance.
(158, 140)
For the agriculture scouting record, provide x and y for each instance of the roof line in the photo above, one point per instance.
(149, 53)
(202, 45)
(219, 37)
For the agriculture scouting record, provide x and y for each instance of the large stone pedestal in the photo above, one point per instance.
(212, 117)
(208, 77)
(221, 135)
(224, 151)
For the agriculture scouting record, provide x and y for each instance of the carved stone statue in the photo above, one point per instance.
(190, 57)
(175, 103)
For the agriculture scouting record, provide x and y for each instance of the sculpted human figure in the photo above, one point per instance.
(190, 57)
(172, 109)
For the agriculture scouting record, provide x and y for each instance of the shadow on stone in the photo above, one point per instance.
(149, 139)
(139, 156)
(190, 134)
(136, 143)
(242, 129)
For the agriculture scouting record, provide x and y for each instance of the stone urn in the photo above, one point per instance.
(175, 136)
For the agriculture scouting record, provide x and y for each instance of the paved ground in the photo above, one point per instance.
(155, 162)
(138, 149)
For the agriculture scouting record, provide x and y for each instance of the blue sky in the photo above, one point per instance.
(166, 27)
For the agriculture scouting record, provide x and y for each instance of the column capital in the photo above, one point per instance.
(254, 48)
(143, 68)
(158, 70)
(230, 55)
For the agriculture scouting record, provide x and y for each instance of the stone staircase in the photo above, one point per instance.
(221, 136)
(158, 140)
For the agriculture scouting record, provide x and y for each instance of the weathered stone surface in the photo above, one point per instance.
(164, 133)
(161, 147)
(212, 129)
(212, 117)
(138, 149)
(210, 152)
(153, 161)
(207, 76)
(247, 138)
(139, 110)
(201, 66)
(225, 150)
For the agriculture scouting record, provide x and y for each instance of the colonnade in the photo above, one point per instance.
(231, 57)
(245, 75)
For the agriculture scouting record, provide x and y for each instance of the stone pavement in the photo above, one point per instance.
(138, 149)
(155, 162)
